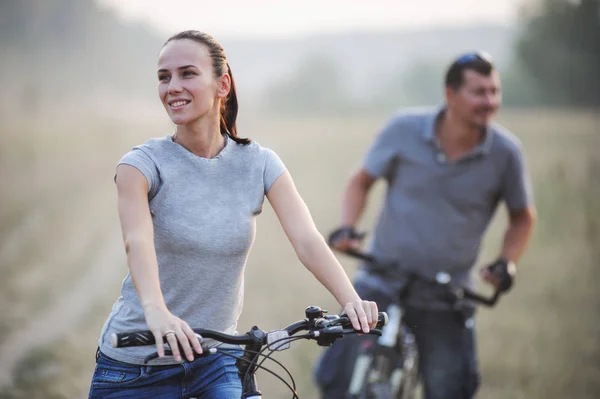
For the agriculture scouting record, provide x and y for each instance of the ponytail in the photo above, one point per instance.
(229, 111)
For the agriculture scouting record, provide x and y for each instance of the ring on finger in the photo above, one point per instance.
(169, 332)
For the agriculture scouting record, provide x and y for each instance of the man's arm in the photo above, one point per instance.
(355, 197)
(353, 205)
(378, 163)
(501, 273)
(518, 233)
(518, 195)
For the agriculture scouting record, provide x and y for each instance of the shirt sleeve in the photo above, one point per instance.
(274, 167)
(382, 155)
(517, 190)
(139, 159)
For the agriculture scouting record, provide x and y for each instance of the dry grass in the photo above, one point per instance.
(58, 218)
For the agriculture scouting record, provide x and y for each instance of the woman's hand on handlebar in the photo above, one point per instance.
(176, 332)
(362, 314)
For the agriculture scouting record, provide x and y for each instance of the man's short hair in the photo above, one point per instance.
(479, 62)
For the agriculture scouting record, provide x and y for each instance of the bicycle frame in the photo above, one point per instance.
(378, 360)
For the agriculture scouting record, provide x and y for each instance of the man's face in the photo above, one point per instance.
(477, 100)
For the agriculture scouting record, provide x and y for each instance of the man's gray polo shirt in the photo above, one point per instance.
(435, 212)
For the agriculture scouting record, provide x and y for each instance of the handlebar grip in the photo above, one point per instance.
(135, 338)
(382, 320)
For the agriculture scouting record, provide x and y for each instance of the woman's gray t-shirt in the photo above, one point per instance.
(203, 211)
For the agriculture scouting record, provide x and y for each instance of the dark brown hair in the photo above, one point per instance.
(479, 62)
(229, 107)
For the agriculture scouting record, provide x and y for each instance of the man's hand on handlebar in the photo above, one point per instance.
(345, 238)
(500, 274)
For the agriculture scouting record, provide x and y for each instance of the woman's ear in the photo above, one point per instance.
(224, 85)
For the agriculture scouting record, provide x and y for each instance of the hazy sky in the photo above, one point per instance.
(271, 18)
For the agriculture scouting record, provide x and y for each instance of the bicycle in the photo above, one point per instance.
(389, 368)
(323, 329)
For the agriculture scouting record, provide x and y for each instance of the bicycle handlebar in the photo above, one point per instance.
(443, 279)
(323, 329)
(317, 326)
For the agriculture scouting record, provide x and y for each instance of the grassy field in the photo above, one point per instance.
(61, 259)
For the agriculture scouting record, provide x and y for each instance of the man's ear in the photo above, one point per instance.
(450, 93)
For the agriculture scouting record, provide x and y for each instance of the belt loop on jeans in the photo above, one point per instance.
(97, 353)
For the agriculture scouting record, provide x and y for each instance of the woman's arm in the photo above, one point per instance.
(138, 236)
(314, 253)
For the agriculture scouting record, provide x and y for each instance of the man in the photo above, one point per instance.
(446, 171)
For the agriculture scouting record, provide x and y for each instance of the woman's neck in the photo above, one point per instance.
(202, 138)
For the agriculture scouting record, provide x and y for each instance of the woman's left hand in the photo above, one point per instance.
(362, 314)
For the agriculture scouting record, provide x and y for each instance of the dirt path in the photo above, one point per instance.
(13, 244)
(63, 313)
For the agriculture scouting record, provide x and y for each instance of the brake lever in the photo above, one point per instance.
(339, 330)
(372, 331)
(168, 352)
(154, 355)
(488, 301)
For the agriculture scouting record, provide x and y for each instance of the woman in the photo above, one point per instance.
(187, 205)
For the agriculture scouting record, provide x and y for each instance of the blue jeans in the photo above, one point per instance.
(447, 353)
(210, 377)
